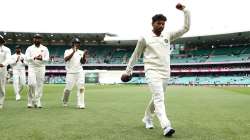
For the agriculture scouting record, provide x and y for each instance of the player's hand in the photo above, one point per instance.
(22, 60)
(1, 65)
(180, 6)
(17, 59)
(74, 49)
(85, 52)
(126, 77)
(39, 57)
(84, 56)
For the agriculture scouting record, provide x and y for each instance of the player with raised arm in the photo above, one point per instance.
(155, 48)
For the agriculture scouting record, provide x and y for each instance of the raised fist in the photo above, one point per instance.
(180, 6)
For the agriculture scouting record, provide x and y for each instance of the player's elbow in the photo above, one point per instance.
(83, 61)
(186, 28)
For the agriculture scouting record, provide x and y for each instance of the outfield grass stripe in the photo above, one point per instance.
(115, 112)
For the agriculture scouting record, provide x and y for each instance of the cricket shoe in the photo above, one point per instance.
(148, 123)
(81, 106)
(29, 106)
(39, 104)
(18, 97)
(168, 131)
(65, 104)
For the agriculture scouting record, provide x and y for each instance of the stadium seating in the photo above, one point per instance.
(113, 55)
(185, 80)
(210, 80)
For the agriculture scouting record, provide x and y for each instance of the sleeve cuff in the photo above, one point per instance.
(5, 64)
(185, 10)
(129, 71)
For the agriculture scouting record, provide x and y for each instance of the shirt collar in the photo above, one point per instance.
(73, 48)
(36, 46)
(154, 35)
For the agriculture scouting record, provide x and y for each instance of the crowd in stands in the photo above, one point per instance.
(206, 54)
(55, 79)
(211, 80)
(114, 55)
(179, 80)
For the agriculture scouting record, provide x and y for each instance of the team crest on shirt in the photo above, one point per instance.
(166, 40)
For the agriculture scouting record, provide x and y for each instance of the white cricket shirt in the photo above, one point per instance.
(18, 65)
(33, 51)
(156, 51)
(74, 65)
(5, 55)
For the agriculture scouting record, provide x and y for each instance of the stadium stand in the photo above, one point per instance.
(207, 60)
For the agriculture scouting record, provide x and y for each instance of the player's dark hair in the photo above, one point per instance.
(158, 17)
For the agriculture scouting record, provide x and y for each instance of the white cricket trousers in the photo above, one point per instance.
(156, 104)
(19, 80)
(36, 77)
(3, 76)
(77, 79)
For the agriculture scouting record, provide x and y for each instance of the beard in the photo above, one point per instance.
(37, 43)
(159, 30)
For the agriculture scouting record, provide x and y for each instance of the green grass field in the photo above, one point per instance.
(114, 112)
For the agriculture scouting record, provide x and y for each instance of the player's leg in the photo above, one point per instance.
(168, 131)
(157, 88)
(40, 74)
(2, 88)
(70, 82)
(80, 96)
(16, 84)
(150, 109)
(80, 90)
(22, 81)
(148, 117)
(32, 87)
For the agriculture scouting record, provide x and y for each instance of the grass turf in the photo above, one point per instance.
(115, 112)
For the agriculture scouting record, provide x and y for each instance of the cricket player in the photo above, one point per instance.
(18, 63)
(5, 55)
(37, 56)
(74, 58)
(156, 52)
